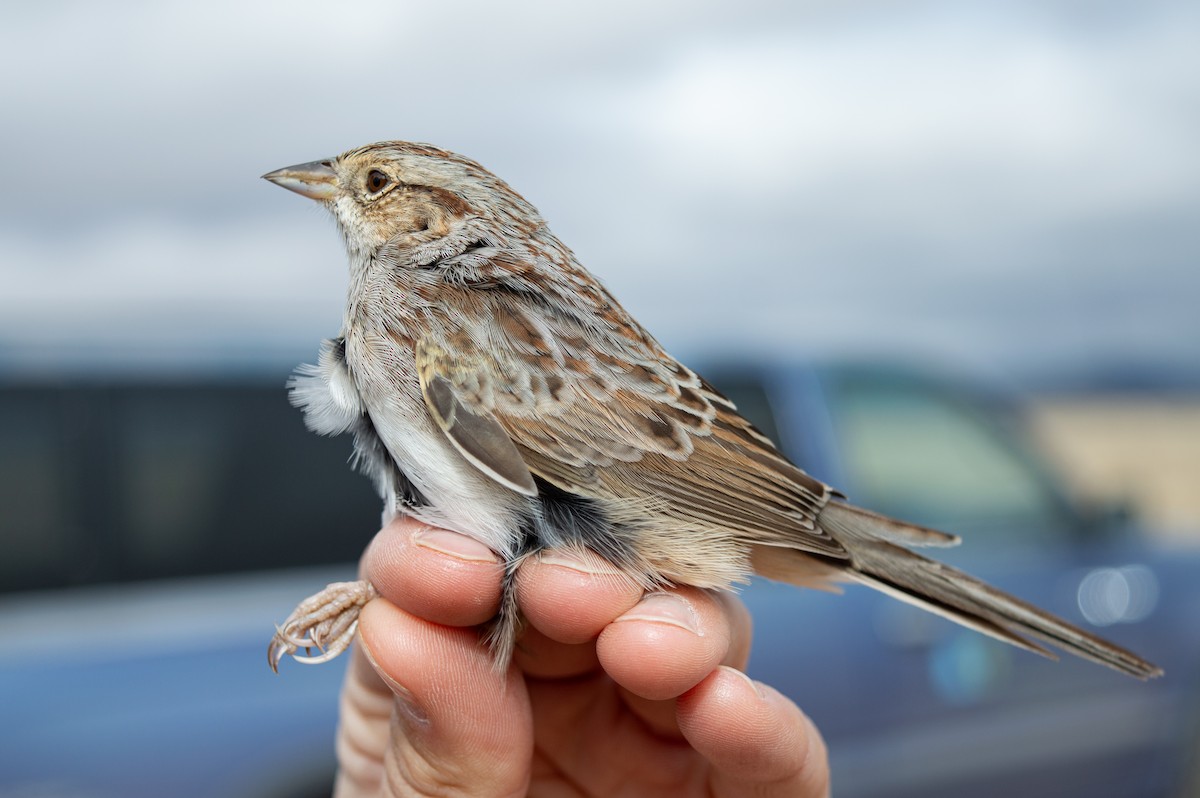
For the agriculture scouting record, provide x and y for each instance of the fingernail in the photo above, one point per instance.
(453, 544)
(753, 684)
(584, 563)
(666, 608)
(406, 704)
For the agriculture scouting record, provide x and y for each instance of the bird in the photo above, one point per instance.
(494, 387)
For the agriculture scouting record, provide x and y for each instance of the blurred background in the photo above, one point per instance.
(917, 239)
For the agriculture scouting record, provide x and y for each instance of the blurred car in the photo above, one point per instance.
(913, 705)
(153, 531)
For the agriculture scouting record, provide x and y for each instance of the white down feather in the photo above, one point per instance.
(326, 393)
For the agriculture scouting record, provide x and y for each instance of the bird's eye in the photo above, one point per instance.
(376, 181)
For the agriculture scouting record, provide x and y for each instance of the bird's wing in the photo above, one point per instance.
(469, 425)
(606, 413)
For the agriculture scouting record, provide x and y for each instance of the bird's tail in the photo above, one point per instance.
(877, 559)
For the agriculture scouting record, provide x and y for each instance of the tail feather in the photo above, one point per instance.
(971, 621)
(877, 561)
(864, 522)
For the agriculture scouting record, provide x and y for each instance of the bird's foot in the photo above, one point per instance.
(326, 621)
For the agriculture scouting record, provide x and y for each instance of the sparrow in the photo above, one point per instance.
(494, 387)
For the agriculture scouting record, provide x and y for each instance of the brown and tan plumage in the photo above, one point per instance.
(494, 387)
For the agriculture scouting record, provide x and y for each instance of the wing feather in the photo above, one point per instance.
(476, 435)
(613, 417)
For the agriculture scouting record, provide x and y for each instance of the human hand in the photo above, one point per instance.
(609, 693)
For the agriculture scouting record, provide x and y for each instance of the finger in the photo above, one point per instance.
(741, 629)
(540, 657)
(660, 714)
(568, 598)
(456, 724)
(364, 715)
(667, 643)
(756, 740)
(439, 575)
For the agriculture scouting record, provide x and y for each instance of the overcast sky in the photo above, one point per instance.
(1013, 183)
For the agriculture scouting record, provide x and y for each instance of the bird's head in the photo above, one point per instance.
(384, 192)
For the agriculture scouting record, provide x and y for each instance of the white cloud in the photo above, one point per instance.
(834, 172)
(156, 283)
(930, 112)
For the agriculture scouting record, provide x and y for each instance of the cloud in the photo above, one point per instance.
(847, 174)
(155, 283)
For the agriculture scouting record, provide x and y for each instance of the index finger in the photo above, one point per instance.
(433, 573)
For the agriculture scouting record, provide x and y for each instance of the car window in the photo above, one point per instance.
(171, 462)
(109, 483)
(924, 453)
(35, 528)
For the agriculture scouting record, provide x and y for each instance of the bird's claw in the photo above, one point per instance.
(326, 621)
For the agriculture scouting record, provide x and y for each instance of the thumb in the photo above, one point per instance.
(425, 713)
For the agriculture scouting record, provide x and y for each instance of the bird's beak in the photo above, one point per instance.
(315, 180)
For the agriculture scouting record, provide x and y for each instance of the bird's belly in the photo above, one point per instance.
(459, 496)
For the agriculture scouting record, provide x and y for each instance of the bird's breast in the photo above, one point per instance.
(460, 496)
